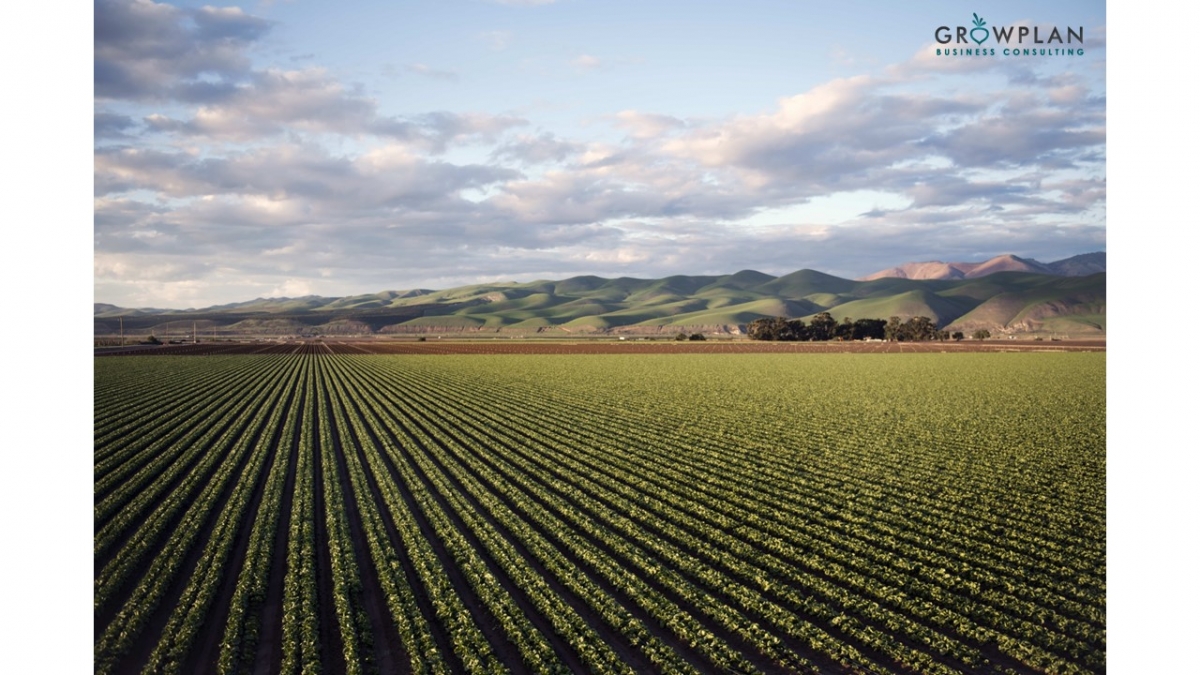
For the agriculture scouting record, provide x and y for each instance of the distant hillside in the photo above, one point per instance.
(1081, 265)
(1002, 302)
(1076, 266)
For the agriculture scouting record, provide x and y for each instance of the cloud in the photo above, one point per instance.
(274, 102)
(846, 58)
(292, 288)
(217, 180)
(433, 73)
(111, 125)
(617, 187)
(445, 127)
(1019, 137)
(497, 40)
(227, 24)
(387, 177)
(158, 54)
(145, 50)
(586, 62)
(1078, 194)
(366, 258)
(869, 133)
(647, 125)
(951, 190)
(838, 136)
(542, 148)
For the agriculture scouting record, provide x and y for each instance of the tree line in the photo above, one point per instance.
(824, 327)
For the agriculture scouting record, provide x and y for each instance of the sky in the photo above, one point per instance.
(282, 149)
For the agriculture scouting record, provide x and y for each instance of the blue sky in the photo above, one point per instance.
(293, 148)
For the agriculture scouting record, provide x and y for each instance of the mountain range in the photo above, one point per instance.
(1075, 266)
(1000, 301)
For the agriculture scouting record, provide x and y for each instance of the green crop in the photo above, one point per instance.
(869, 513)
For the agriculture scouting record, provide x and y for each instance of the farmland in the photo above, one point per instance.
(598, 346)
(327, 510)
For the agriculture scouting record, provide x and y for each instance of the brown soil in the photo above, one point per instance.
(509, 346)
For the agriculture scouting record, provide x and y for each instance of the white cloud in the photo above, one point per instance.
(292, 288)
(542, 148)
(277, 102)
(586, 62)
(647, 125)
(497, 40)
(433, 73)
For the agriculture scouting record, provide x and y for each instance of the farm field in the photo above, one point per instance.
(599, 346)
(825, 512)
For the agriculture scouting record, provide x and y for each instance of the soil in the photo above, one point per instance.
(514, 346)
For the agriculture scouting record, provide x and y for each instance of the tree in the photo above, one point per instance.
(696, 337)
(982, 334)
(845, 329)
(919, 329)
(893, 331)
(957, 336)
(869, 329)
(781, 329)
(759, 329)
(822, 327)
(680, 337)
(796, 330)
(778, 328)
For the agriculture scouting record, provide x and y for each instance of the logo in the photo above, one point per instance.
(1009, 40)
(979, 28)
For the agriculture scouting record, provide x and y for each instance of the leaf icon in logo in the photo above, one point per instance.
(979, 28)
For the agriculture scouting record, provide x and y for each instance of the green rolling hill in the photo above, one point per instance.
(1004, 302)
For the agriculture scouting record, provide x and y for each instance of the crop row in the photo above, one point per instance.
(321, 512)
(163, 561)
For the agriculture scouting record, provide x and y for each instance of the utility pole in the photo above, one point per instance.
(121, 320)
(194, 340)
